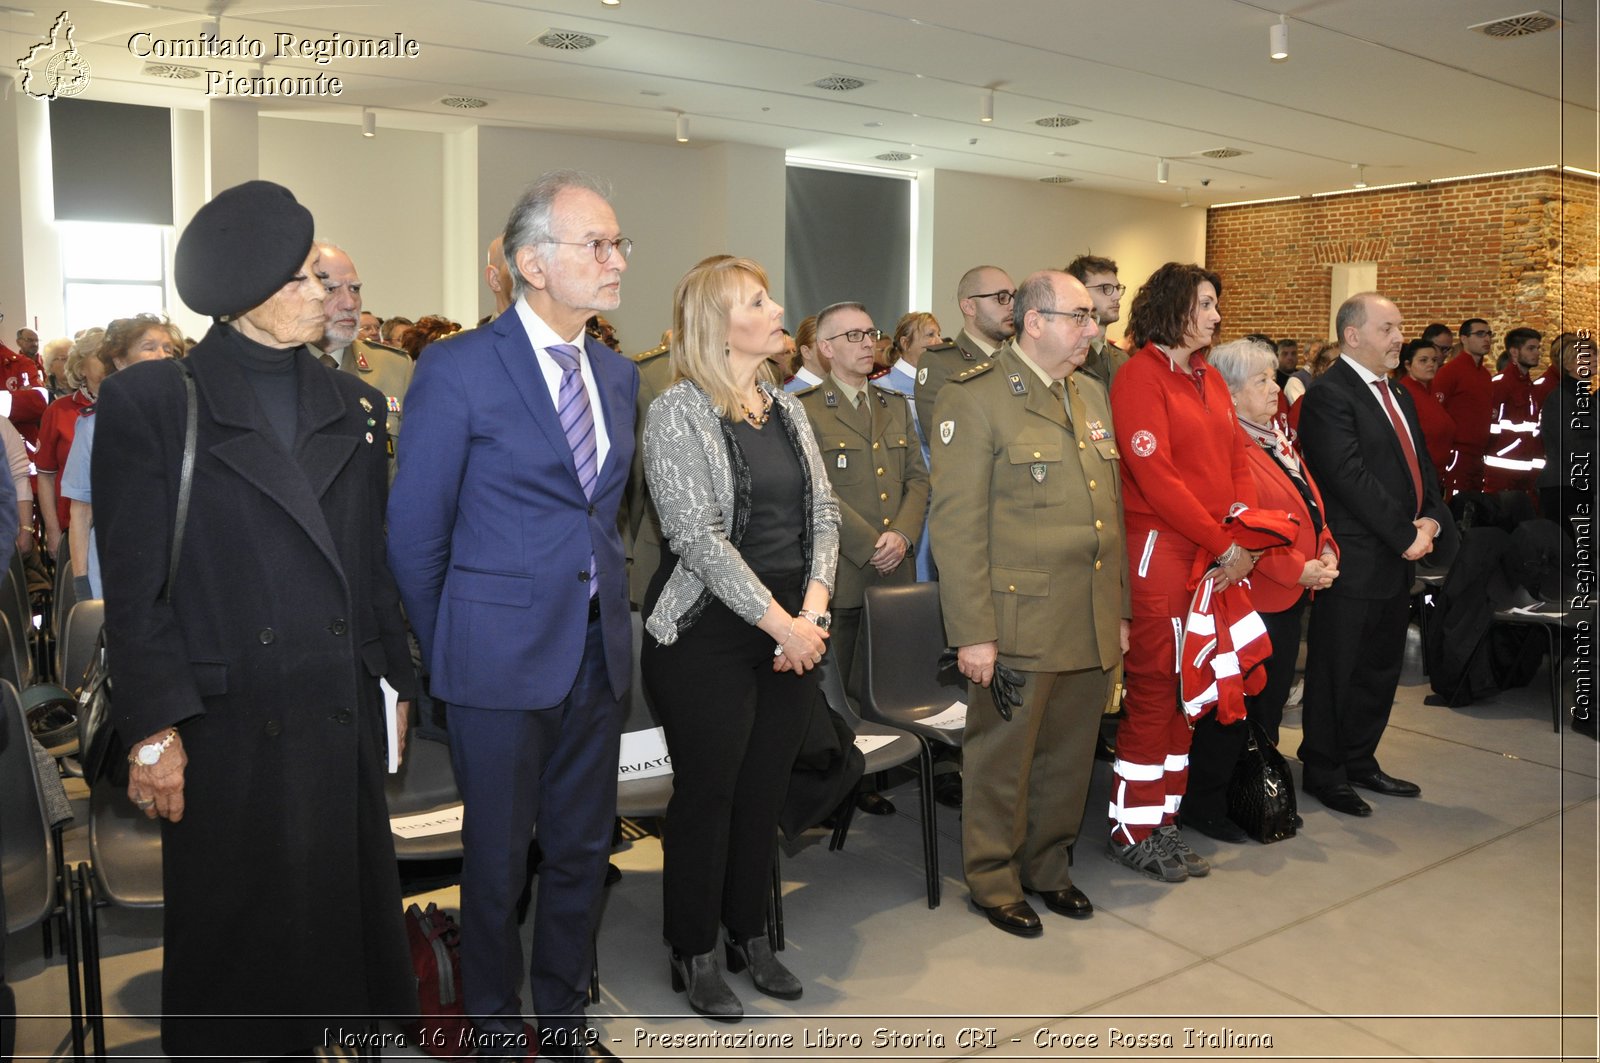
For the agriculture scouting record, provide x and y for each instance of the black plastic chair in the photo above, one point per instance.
(17, 608)
(901, 687)
(35, 882)
(1520, 607)
(62, 597)
(80, 634)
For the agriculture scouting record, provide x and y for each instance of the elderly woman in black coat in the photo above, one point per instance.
(251, 696)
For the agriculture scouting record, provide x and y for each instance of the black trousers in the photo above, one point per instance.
(733, 729)
(1216, 748)
(1354, 650)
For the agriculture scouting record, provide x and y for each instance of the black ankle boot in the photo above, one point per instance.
(708, 993)
(769, 976)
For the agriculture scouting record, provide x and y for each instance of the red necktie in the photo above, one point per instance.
(1404, 433)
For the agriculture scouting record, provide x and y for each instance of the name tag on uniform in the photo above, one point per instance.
(1097, 431)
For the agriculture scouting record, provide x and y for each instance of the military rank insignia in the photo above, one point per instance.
(1036, 470)
(361, 363)
(883, 400)
(830, 399)
(1017, 386)
(366, 405)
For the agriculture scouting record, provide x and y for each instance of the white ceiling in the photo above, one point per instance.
(1403, 87)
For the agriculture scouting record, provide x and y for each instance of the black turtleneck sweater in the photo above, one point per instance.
(270, 371)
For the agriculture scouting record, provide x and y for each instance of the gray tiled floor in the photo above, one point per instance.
(1459, 926)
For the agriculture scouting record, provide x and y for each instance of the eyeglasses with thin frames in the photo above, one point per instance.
(856, 335)
(1079, 318)
(601, 247)
(1003, 297)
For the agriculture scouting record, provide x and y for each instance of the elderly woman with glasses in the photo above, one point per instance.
(1283, 580)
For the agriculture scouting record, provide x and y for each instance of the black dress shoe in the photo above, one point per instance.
(1069, 902)
(613, 874)
(1380, 782)
(1017, 918)
(1342, 799)
(874, 804)
(1221, 828)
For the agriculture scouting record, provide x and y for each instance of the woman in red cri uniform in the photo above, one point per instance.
(1419, 364)
(1184, 467)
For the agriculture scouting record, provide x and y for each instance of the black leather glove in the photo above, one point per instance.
(1005, 687)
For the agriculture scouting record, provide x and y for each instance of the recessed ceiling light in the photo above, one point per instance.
(1224, 153)
(873, 125)
(170, 71)
(567, 40)
(1058, 121)
(651, 92)
(895, 156)
(838, 83)
(464, 103)
(1525, 25)
(1059, 154)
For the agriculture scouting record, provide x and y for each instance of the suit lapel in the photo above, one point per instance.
(857, 420)
(254, 453)
(521, 365)
(1375, 417)
(1037, 398)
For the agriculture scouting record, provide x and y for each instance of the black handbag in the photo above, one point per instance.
(1261, 792)
(103, 751)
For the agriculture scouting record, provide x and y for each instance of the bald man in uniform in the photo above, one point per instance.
(385, 368)
(1027, 530)
(984, 298)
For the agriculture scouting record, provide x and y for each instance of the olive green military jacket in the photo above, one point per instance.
(389, 370)
(939, 364)
(1103, 362)
(1027, 517)
(874, 462)
(643, 531)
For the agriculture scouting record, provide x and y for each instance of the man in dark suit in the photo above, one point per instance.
(1361, 440)
(504, 539)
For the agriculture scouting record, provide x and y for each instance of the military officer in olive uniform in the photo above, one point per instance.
(643, 533)
(984, 297)
(1027, 530)
(385, 368)
(874, 461)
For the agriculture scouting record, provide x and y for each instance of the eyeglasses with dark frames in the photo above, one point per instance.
(1107, 289)
(1003, 296)
(601, 247)
(856, 335)
(1079, 317)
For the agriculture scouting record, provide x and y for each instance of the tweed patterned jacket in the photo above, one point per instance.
(701, 487)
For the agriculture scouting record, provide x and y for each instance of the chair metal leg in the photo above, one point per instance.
(843, 816)
(89, 922)
(930, 833)
(67, 896)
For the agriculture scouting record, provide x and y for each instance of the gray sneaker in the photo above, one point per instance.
(1148, 857)
(1169, 838)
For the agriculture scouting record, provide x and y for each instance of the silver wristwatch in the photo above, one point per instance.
(822, 621)
(150, 752)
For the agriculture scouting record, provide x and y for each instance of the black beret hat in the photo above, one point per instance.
(240, 248)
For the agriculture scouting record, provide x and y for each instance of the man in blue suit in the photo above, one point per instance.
(503, 537)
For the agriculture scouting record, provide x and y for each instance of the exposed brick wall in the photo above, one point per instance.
(1516, 250)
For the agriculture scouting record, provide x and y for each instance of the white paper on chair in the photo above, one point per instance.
(427, 824)
(953, 718)
(644, 755)
(867, 743)
(391, 703)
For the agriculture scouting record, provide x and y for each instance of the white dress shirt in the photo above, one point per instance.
(543, 337)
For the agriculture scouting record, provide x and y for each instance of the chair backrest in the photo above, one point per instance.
(900, 662)
(27, 853)
(10, 666)
(61, 602)
(16, 606)
(78, 639)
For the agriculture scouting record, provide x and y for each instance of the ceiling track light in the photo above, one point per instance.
(1161, 171)
(682, 129)
(1361, 175)
(988, 106)
(1278, 40)
(612, 3)
(369, 123)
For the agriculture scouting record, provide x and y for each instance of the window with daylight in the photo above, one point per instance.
(111, 270)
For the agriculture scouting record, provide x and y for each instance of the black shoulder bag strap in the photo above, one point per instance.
(185, 475)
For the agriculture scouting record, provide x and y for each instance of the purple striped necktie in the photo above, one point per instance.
(577, 421)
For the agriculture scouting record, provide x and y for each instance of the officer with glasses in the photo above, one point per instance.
(1099, 275)
(984, 296)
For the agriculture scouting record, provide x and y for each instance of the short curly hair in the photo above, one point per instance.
(1164, 304)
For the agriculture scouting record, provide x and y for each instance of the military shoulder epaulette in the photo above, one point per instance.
(887, 390)
(940, 347)
(387, 347)
(969, 374)
(804, 391)
(654, 352)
